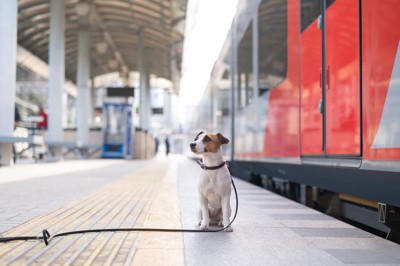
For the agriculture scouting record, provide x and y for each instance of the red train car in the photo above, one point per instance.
(314, 100)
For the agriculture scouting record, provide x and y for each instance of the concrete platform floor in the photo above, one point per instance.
(161, 193)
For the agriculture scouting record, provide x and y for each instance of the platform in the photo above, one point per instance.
(161, 193)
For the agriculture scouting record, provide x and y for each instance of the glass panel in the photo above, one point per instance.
(115, 124)
(272, 43)
(245, 69)
(310, 10)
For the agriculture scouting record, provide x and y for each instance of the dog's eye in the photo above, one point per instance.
(206, 138)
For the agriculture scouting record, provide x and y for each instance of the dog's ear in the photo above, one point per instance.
(222, 139)
(197, 136)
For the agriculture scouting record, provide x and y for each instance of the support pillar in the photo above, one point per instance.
(93, 100)
(148, 97)
(144, 101)
(168, 109)
(214, 109)
(255, 93)
(57, 76)
(126, 78)
(8, 59)
(234, 86)
(83, 100)
(255, 58)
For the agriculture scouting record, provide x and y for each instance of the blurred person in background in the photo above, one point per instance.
(17, 119)
(43, 124)
(166, 145)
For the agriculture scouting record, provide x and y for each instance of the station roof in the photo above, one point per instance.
(115, 27)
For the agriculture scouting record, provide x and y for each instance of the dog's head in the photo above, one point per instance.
(207, 142)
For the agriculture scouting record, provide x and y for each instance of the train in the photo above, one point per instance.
(309, 92)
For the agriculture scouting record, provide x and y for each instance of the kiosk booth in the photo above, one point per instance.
(117, 127)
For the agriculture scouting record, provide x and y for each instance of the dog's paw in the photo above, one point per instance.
(229, 229)
(204, 227)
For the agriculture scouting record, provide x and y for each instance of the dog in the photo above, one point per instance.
(215, 181)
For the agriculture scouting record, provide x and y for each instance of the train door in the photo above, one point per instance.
(117, 130)
(311, 90)
(342, 90)
(330, 101)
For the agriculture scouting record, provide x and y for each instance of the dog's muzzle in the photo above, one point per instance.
(193, 146)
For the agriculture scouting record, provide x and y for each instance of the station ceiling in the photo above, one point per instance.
(115, 27)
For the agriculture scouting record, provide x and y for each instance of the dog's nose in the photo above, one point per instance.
(192, 145)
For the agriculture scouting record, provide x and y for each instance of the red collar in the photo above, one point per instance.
(205, 167)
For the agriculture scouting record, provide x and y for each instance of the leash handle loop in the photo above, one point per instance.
(46, 236)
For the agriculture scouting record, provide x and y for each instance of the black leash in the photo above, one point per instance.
(47, 237)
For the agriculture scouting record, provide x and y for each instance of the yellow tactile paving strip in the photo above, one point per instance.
(146, 199)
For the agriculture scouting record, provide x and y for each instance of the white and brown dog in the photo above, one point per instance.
(215, 181)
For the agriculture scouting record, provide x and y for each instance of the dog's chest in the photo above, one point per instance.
(210, 189)
(210, 184)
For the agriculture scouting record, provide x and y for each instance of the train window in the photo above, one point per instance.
(310, 10)
(245, 77)
(272, 43)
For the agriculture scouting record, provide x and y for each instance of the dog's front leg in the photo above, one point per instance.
(226, 212)
(205, 214)
(199, 215)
